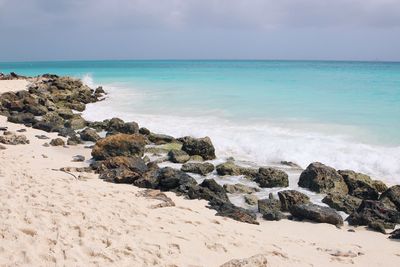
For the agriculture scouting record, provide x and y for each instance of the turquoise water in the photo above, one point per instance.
(343, 113)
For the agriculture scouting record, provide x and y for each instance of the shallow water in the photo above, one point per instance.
(344, 114)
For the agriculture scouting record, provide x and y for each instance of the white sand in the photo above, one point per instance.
(49, 218)
(12, 85)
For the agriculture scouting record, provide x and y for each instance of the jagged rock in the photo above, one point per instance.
(379, 185)
(116, 125)
(259, 260)
(76, 122)
(374, 211)
(322, 179)
(119, 145)
(13, 139)
(178, 156)
(160, 139)
(391, 197)
(57, 142)
(175, 180)
(150, 178)
(230, 168)
(395, 234)
(345, 203)
(209, 190)
(268, 205)
(270, 177)
(133, 163)
(288, 198)
(199, 168)
(237, 213)
(316, 213)
(251, 199)
(198, 146)
(360, 185)
(89, 134)
(240, 188)
(124, 169)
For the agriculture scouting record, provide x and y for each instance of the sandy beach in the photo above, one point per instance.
(53, 218)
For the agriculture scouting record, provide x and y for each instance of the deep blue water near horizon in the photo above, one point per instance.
(341, 112)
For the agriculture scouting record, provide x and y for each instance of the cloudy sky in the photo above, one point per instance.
(199, 29)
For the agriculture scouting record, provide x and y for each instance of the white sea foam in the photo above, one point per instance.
(261, 143)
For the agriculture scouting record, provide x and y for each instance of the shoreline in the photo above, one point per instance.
(221, 239)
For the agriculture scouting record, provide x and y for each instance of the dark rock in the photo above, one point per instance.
(198, 146)
(89, 134)
(288, 198)
(133, 163)
(270, 177)
(322, 179)
(377, 226)
(239, 214)
(150, 178)
(316, 213)
(99, 90)
(268, 205)
(160, 139)
(74, 140)
(57, 142)
(240, 188)
(374, 211)
(391, 197)
(199, 168)
(230, 168)
(178, 156)
(119, 145)
(78, 158)
(119, 175)
(274, 215)
(395, 234)
(345, 203)
(117, 125)
(360, 185)
(65, 132)
(65, 113)
(13, 139)
(209, 190)
(144, 131)
(76, 122)
(175, 180)
(22, 118)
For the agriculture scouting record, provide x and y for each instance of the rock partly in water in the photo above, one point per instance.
(251, 199)
(316, 213)
(199, 168)
(116, 125)
(160, 139)
(240, 188)
(271, 177)
(178, 156)
(119, 145)
(322, 179)
(360, 185)
(288, 198)
(198, 146)
(391, 197)
(345, 203)
(230, 168)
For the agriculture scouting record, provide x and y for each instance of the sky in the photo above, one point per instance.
(32, 30)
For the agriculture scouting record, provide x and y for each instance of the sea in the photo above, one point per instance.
(345, 114)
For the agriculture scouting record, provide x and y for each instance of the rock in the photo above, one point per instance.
(78, 158)
(57, 142)
(259, 260)
(209, 190)
(198, 146)
(119, 145)
(251, 199)
(150, 178)
(374, 211)
(119, 175)
(65, 113)
(99, 90)
(239, 188)
(160, 139)
(52, 119)
(288, 198)
(42, 137)
(66, 132)
(377, 226)
(345, 203)
(22, 118)
(290, 164)
(133, 163)
(89, 134)
(316, 213)
(36, 110)
(268, 205)
(74, 140)
(379, 185)
(199, 168)
(178, 156)
(117, 125)
(270, 177)
(196, 158)
(275, 215)
(391, 197)
(322, 179)
(144, 131)
(360, 185)
(239, 214)
(76, 123)
(175, 180)
(395, 234)
(14, 139)
(230, 168)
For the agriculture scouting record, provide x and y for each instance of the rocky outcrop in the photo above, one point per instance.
(199, 168)
(322, 179)
(90, 135)
(116, 125)
(316, 213)
(288, 198)
(240, 188)
(360, 185)
(345, 203)
(198, 146)
(230, 168)
(391, 197)
(170, 179)
(178, 156)
(270, 177)
(119, 145)
(373, 213)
